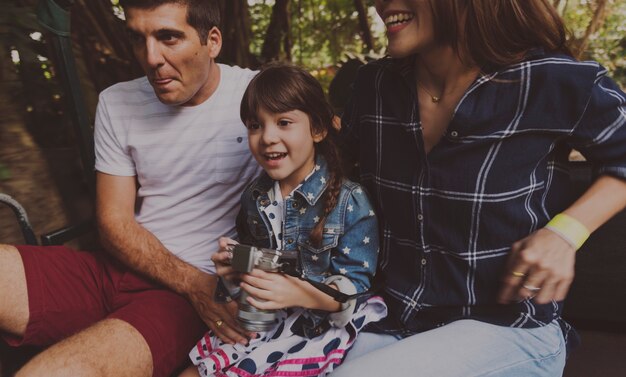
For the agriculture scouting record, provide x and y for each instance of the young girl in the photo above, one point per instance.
(302, 202)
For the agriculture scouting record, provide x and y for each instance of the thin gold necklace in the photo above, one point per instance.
(433, 98)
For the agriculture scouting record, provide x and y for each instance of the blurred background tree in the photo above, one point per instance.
(598, 32)
(39, 164)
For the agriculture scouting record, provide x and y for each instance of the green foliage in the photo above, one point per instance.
(608, 44)
(323, 31)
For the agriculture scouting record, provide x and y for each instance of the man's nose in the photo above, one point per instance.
(154, 55)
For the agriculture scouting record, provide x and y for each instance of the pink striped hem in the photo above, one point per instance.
(330, 358)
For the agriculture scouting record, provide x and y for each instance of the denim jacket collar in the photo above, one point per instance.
(311, 189)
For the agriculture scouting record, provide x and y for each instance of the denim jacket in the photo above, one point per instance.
(349, 246)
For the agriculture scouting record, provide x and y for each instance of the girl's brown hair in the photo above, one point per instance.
(497, 33)
(282, 87)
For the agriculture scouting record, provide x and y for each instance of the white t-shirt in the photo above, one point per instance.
(191, 163)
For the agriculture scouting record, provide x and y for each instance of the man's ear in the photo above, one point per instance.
(319, 136)
(214, 42)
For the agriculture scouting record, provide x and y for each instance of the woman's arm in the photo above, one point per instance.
(545, 260)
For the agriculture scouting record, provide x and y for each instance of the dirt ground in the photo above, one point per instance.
(47, 182)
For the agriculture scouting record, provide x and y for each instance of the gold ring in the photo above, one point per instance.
(219, 323)
(518, 274)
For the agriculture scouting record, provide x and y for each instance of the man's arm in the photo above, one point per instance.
(141, 251)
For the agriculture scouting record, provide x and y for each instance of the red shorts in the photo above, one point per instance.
(70, 290)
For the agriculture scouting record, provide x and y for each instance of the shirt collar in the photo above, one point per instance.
(311, 188)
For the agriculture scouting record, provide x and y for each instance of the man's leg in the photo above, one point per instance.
(109, 348)
(466, 348)
(13, 294)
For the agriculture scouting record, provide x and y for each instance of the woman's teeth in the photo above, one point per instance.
(398, 18)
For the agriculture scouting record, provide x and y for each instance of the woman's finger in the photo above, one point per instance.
(547, 292)
(532, 284)
(512, 282)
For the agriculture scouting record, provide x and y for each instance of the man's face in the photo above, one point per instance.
(179, 67)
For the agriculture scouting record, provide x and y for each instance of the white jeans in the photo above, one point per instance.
(463, 348)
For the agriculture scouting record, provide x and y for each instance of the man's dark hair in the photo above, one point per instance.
(202, 15)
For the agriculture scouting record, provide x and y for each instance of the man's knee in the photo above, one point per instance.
(13, 291)
(109, 348)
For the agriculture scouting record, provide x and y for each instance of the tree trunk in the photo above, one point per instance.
(278, 33)
(364, 25)
(104, 46)
(599, 15)
(236, 34)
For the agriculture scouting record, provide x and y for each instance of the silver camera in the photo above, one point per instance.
(244, 259)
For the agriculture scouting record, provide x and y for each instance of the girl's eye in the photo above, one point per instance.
(284, 122)
(253, 126)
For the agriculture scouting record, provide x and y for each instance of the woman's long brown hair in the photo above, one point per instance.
(497, 33)
(282, 87)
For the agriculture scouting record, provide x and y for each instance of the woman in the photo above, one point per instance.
(460, 136)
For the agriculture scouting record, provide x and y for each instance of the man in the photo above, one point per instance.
(171, 161)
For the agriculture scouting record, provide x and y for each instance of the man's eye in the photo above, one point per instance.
(135, 38)
(169, 37)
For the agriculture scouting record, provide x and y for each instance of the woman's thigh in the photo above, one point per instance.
(462, 348)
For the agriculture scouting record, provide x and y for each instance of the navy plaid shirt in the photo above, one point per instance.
(448, 219)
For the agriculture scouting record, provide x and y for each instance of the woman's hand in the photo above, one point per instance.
(271, 290)
(540, 266)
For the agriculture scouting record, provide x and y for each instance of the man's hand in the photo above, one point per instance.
(272, 290)
(221, 318)
(222, 258)
(540, 266)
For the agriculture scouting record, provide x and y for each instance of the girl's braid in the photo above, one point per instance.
(328, 148)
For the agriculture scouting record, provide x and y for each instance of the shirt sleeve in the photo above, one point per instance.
(601, 132)
(344, 285)
(356, 254)
(111, 155)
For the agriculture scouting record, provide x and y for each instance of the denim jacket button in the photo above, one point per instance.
(265, 202)
(295, 205)
(290, 241)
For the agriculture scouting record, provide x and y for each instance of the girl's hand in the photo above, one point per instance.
(272, 290)
(540, 266)
(222, 259)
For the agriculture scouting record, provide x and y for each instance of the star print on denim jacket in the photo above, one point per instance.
(350, 240)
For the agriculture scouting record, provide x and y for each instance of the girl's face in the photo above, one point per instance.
(284, 145)
(409, 26)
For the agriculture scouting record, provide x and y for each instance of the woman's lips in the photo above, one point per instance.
(397, 21)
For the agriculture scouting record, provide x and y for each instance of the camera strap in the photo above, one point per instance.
(289, 266)
(335, 294)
